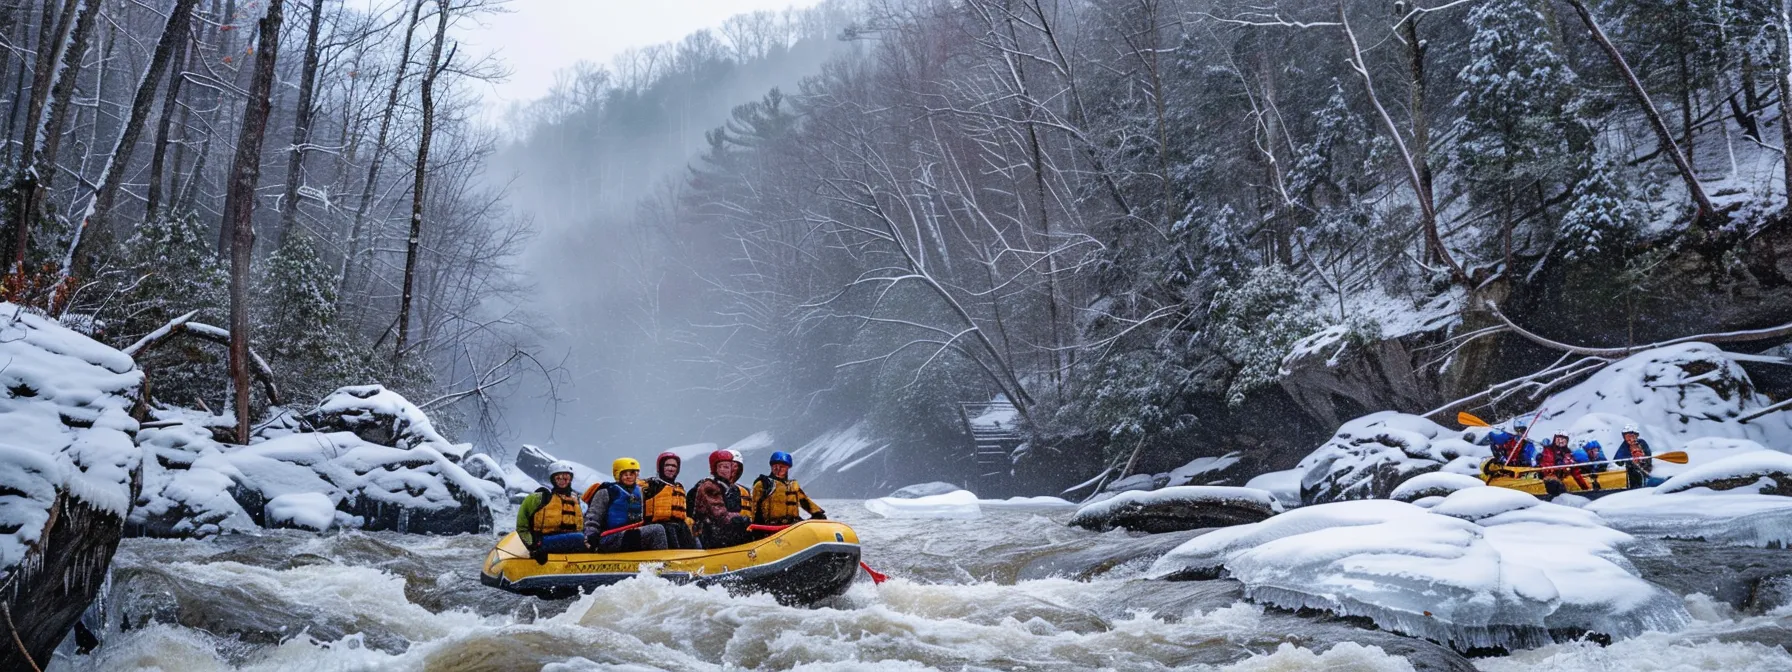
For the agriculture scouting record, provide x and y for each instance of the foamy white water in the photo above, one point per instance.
(971, 594)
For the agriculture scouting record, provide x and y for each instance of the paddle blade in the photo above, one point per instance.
(1677, 457)
(876, 576)
(1469, 420)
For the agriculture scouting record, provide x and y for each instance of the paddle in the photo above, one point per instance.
(877, 577)
(1471, 421)
(1519, 444)
(1676, 457)
(624, 528)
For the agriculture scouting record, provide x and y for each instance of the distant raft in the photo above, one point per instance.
(800, 564)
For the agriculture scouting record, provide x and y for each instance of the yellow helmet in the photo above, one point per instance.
(622, 465)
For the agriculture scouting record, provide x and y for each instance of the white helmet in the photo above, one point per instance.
(1629, 429)
(560, 467)
(735, 454)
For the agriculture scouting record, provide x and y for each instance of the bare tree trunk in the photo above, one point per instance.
(1421, 124)
(170, 105)
(52, 38)
(434, 69)
(378, 156)
(1414, 173)
(1666, 137)
(239, 209)
(301, 128)
(99, 206)
(64, 92)
(1785, 54)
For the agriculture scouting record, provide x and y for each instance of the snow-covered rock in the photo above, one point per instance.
(535, 462)
(1283, 485)
(1483, 567)
(1134, 482)
(67, 463)
(382, 417)
(1675, 394)
(197, 487)
(958, 504)
(1173, 509)
(924, 490)
(1742, 500)
(1369, 456)
(1435, 484)
(1202, 470)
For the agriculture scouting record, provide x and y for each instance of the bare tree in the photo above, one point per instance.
(432, 69)
(239, 208)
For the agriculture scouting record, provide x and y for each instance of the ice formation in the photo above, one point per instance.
(958, 504)
(1371, 455)
(1483, 567)
(1741, 500)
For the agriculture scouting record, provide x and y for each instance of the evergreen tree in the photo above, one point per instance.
(1520, 121)
(297, 328)
(1604, 215)
(1255, 324)
(178, 272)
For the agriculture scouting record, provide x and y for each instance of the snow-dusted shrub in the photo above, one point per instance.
(1256, 324)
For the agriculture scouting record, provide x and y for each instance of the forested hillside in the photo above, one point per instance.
(1166, 229)
(297, 178)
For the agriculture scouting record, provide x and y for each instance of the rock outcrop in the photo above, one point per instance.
(68, 470)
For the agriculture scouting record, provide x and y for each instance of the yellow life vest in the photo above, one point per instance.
(777, 502)
(664, 502)
(559, 513)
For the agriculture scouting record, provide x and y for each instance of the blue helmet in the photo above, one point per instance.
(781, 457)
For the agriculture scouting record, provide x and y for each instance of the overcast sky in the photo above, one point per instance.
(537, 37)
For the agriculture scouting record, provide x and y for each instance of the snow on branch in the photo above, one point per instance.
(185, 325)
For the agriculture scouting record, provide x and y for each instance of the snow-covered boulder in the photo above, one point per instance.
(1283, 485)
(1484, 567)
(67, 463)
(1742, 500)
(923, 490)
(1173, 509)
(1202, 470)
(1675, 394)
(1435, 484)
(535, 462)
(382, 417)
(958, 504)
(1369, 456)
(198, 487)
(1133, 483)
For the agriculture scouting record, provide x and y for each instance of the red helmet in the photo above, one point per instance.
(668, 455)
(719, 457)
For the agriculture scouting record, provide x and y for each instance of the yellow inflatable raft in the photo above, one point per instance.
(1609, 482)
(799, 564)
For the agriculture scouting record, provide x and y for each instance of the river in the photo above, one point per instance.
(1013, 590)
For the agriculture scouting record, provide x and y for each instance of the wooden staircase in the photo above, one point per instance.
(994, 433)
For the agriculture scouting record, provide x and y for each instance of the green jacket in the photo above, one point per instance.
(525, 514)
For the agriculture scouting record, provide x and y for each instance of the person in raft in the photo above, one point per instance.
(665, 503)
(1636, 450)
(716, 504)
(618, 506)
(548, 521)
(1510, 450)
(776, 498)
(1554, 458)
